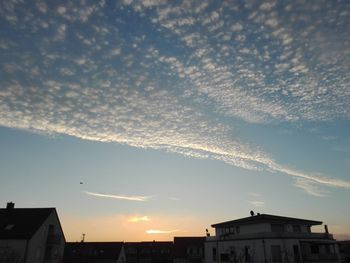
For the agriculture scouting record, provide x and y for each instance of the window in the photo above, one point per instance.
(232, 252)
(224, 257)
(277, 228)
(296, 253)
(237, 229)
(51, 252)
(276, 254)
(314, 249)
(51, 229)
(214, 253)
(247, 254)
(296, 228)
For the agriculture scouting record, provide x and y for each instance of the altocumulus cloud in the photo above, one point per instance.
(90, 78)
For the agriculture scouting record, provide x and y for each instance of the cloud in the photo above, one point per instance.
(153, 231)
(136, 219)
(315, 179)
(255, 194)
(121, 197)
(257, 203)
(310, 187)
(104, 84)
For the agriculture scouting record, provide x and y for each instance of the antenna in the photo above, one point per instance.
(83, 238)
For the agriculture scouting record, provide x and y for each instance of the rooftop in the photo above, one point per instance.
(91, 251)
(22, 223)
(265, 218)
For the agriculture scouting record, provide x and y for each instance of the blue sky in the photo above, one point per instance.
(175, 115)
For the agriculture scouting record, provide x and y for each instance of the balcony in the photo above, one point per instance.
(263, 235)
(320, 258)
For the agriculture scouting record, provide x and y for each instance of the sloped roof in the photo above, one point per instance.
(265, 218)
(92, 251)
(22, 223)
(181, 244)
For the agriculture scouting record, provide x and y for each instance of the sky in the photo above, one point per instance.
(144, 120)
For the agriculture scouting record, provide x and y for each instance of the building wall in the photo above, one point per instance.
(122, 257)
(15, 248)
(256, 228)
(256, 250)
(39, 249)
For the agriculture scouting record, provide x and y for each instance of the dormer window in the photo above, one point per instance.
(9, 227)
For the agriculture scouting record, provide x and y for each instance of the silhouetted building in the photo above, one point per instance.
(149, 252)
(270, 238)
(344, 251)
(94, 252)
(189, 249)
(30, 235)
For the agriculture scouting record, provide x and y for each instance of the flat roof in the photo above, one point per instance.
(265, 218)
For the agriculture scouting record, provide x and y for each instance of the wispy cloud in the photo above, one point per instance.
(310, 187)
(136, 219)
(153, 231)
(121, 197)
(255, 194)
(257, 203)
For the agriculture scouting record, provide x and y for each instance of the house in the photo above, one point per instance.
(149, 252)
(94, 252)
(344, 251)
(270, 238)
(30, 235)
(189, 249)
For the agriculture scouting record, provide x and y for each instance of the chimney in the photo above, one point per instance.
(10, 205)
(326, 229)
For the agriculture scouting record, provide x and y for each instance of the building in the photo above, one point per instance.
(94, 252)
(149, 252)
(189, 249)
(344, 251)
(30, 235)
(270, 238)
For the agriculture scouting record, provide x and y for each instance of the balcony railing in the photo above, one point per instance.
(320, 257)
(263, 235)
